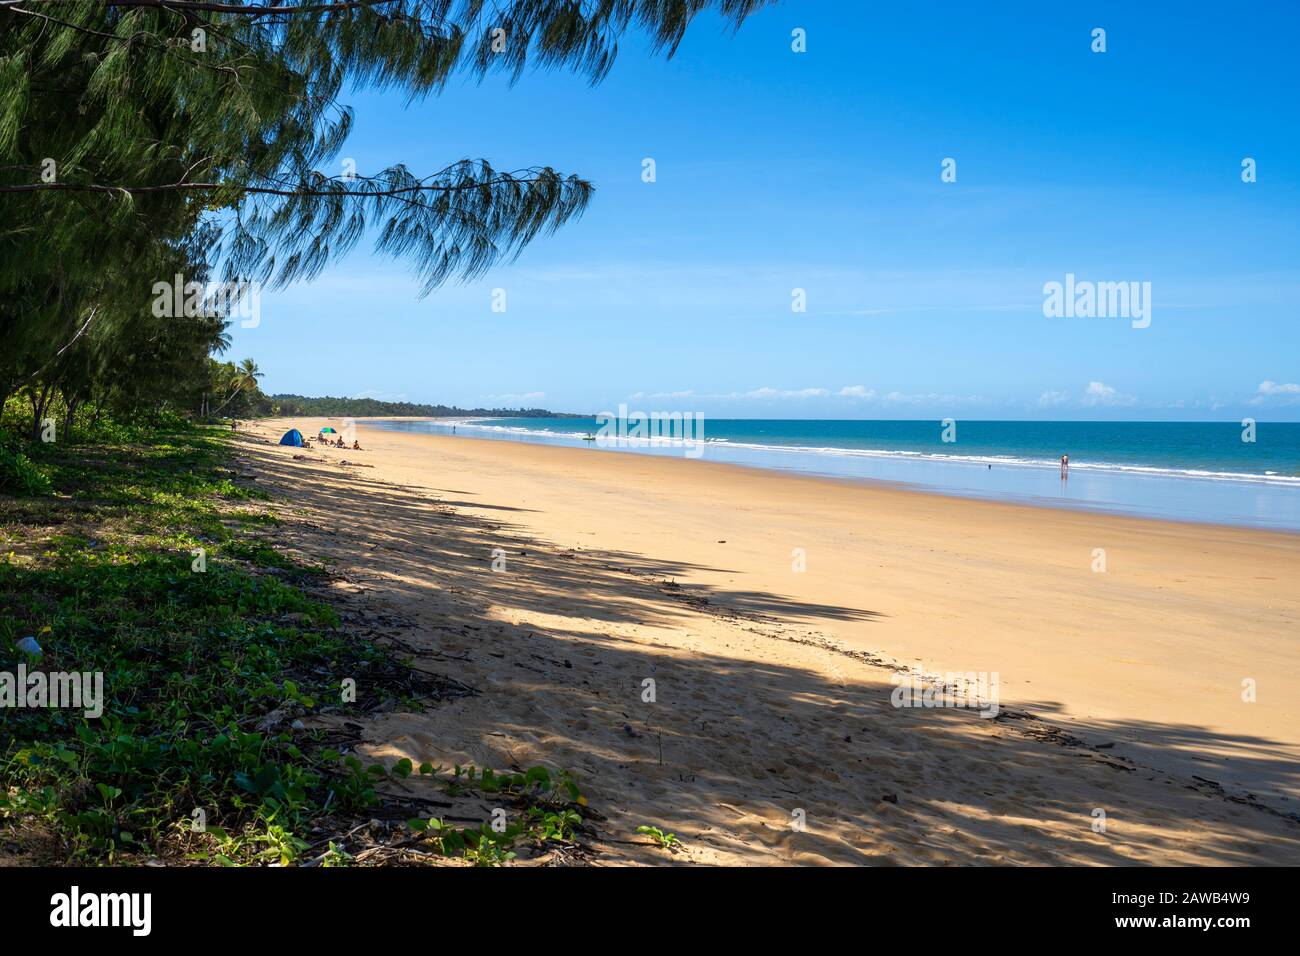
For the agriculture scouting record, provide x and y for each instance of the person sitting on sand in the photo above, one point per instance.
(356, 446)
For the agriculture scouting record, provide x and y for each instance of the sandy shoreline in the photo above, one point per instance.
(773, 684)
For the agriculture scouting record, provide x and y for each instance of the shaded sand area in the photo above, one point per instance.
(1121, 691)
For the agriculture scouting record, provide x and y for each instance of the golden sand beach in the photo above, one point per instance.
(1147, 712)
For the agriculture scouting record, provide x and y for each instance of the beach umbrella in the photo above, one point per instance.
(328, 431)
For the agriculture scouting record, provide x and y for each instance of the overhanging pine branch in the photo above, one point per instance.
(198, 6)
(267, 190)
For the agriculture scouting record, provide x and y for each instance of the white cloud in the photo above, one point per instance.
(1287, 393)
(1273, 388)
(1099, 393)
(857, 391)
(766, 392)
(1053, 398)
(931, 398)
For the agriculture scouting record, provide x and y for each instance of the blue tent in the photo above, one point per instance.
(292, 437)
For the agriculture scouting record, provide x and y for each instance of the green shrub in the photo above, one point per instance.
(20, 476)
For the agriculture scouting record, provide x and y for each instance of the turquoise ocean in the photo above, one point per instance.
(1192, 471)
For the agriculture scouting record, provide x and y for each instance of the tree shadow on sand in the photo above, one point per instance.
(426, 541)
(742, 744)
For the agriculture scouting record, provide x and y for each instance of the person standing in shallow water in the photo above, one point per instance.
(1065, 466)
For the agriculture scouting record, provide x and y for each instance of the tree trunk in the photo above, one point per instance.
(232, 397)
(38, 409)
(73, 403)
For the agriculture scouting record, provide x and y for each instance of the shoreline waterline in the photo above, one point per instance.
(1258, 500)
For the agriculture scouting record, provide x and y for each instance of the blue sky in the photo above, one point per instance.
(820, 170)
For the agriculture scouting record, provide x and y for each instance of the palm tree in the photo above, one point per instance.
(247, 375)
